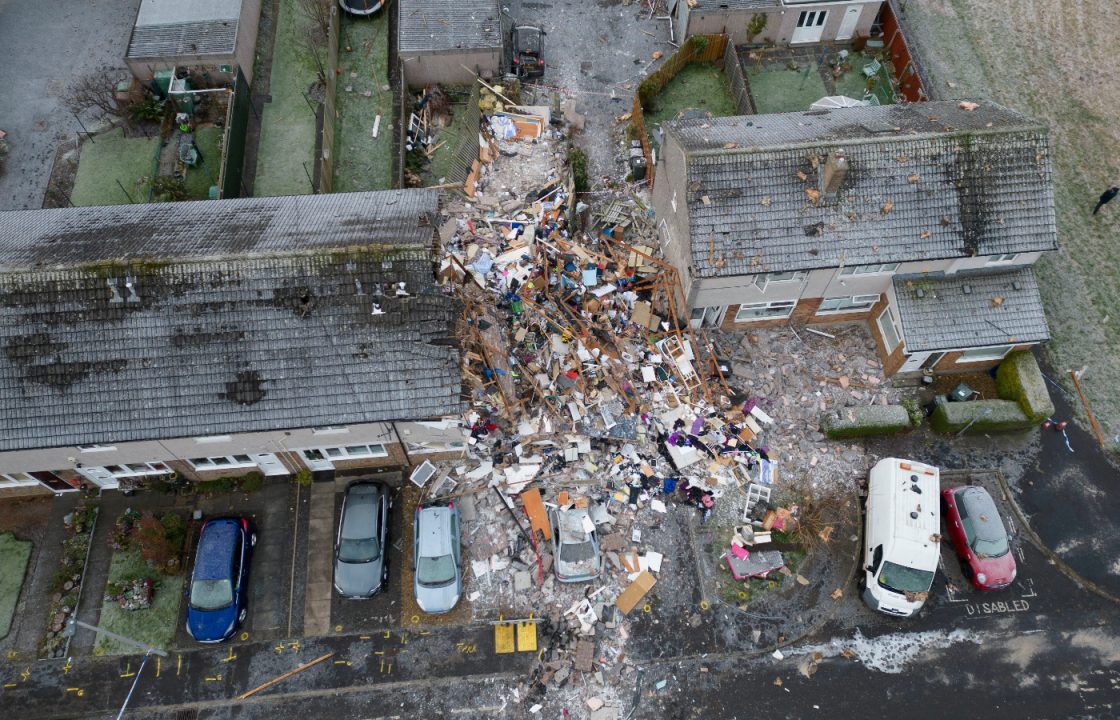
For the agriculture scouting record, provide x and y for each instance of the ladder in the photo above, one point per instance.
(676, 352)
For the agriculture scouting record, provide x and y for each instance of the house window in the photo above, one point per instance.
(9, 480)
(888, 328)
(349, 452)
(868, 269)
(135, 469)
(421, 448)
(994, 352)
(96, 448)
(764, 279)
(330, 430)
(766, 310)
(855, 303)
(1001, 259)
(213, 439)
(221, 461)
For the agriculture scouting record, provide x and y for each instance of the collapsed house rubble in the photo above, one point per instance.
(596, 409)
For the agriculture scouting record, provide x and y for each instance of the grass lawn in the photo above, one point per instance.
(699, 86)
(449, 136)
(109, 158)
(155, 625)
(776, 89)
(14, 554)
(205, 174)
(287, 140)
(362, 162)
(853, 83)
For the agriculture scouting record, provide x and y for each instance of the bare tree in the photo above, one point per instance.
(319, 13)
(96, 89)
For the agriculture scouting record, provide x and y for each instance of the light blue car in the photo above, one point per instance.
(436, 558)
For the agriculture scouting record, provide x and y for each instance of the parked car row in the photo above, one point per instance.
(903, 536)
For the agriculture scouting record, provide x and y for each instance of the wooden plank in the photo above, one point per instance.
(534, 508)
(637, 590)
(285, 676)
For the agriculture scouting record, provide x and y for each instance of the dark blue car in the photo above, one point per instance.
(219, 581)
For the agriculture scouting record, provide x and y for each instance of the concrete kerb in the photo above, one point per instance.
(1062, 566)
(808, 632)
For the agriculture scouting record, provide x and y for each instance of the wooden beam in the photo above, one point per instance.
(285, 676)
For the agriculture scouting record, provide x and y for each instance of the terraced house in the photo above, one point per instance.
(922, 220)
(208, 339)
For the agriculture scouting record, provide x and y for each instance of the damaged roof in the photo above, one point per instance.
(924, 181)
(437, 25)
(216, 228)
(136, 351)
(970, 310)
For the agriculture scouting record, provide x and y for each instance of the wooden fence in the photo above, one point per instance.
(907, 75)
(740, 91)
(330, 115)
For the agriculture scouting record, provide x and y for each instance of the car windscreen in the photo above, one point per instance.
(577, 552)
(435, 571)
(359, 550)
(902, 579)
(996, 547)
(211, 594)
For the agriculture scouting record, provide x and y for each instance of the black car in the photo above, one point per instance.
(527, 42)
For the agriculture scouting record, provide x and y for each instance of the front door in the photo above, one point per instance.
(848, 23)
(269, 464)
(316, 460)
(810, 26)
(705, 317)
(100, 477)
(917, 361)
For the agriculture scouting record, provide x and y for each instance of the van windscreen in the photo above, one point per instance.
(903, 579)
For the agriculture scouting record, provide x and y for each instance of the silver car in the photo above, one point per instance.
(360, 568)
(436, 561)
(575, 545)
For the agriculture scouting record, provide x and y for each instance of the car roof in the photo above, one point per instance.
(215, 548)
(360, 512)
(434, 531)
(983, 516)
(571, 525)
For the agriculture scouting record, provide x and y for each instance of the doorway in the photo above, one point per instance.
(848, 23)
(269, 464)
(810, 26)
(921, 361)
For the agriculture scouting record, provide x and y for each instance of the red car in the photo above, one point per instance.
(978, 535)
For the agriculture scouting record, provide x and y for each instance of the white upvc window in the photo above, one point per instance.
(96, 448)
(762, 280)
(888, 328)
(993, 352)
(345, 452)
(765, 311)
(854, 303)
(1003, 259)
(869, 269)
(16, 479)
(221, 462)
(419, 448)
(136, 469)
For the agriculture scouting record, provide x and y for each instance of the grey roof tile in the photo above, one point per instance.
(212, 347)
(216, 228)
(437, 25)
(207, 37)
(925, 180)
(1001, 308)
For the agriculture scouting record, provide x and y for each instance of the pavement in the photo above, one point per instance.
(47, 46)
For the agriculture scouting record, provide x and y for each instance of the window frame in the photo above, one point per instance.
(211, 463)
(962, 360)
(772, 304)
(11, 480)
(892, 321)
(880, 269)
(853, 308)
(1003, 259)
(342, 452)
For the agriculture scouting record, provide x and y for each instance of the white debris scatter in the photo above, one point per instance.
(893, 652)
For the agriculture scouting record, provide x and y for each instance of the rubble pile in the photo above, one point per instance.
(596, 409)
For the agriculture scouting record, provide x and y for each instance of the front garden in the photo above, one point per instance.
(14, 555)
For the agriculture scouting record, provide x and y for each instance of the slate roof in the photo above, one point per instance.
(216, 228)
(167, 28)
(925, 181)
(710, 5)
(439, 25)
(948, 318)
(221, 346)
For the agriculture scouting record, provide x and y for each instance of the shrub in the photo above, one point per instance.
(913, 410)
(578, 159)
(161, 541)
(1020, 379)
(853, 422)
(303, 477)
(699, 43)
(120, 537)
(756, 25)
(251, 482)
(988, 414)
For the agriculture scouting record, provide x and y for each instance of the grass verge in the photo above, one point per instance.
(363, 162)
(111, 158)
(154, 625)
(14, 554)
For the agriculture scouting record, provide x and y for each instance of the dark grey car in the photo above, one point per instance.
(360, 567)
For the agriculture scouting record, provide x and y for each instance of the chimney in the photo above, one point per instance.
(835, 168)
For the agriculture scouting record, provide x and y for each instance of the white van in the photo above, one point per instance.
(902, 535)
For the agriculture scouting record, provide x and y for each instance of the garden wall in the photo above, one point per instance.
(330, 116)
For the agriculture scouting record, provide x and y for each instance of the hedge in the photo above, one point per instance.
(853, 422)
(988, 414)
(1019, 378)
